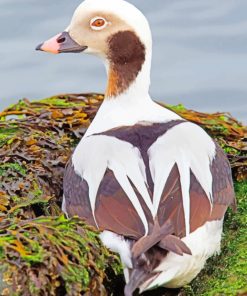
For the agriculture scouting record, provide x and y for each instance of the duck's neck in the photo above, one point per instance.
(127, 99)
(124, 101)
(129, 81)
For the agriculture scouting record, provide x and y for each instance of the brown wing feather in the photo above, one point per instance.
(171, 204)
(146, 243)
(223, 189)
(175, 245)
(200, 208)
(76, 196)
(114, 211)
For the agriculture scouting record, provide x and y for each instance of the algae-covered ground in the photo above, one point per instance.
(42, 252)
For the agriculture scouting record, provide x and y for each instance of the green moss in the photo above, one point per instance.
(177, 108)
(13, 166)
(60, 102)
(1, 253)
(20, 105)
(33, 289)
(16, 199)
(6, 135)
(224, 118)
(68, 249)
(37, 192)
(231, 150)
(226, 273)
(25, 203)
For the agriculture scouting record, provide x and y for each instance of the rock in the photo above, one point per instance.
(46, 254)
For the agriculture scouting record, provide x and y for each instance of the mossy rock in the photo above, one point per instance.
(42, 252)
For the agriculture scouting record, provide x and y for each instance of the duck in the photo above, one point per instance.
(155, 185)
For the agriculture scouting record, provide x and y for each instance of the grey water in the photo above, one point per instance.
(199, 58)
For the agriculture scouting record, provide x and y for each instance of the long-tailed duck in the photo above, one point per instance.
(156, 185)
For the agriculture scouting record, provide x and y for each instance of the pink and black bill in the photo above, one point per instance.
(61, 43)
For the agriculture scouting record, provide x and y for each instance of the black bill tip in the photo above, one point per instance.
(39, 47)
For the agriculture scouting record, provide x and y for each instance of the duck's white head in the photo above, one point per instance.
(116, 31)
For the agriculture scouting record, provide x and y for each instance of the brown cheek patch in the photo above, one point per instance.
(126, 54)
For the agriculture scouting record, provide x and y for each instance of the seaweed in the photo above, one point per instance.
(44, 253)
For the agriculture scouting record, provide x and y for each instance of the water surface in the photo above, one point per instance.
(200, 53)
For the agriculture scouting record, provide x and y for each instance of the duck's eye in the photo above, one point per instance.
(98, 23)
